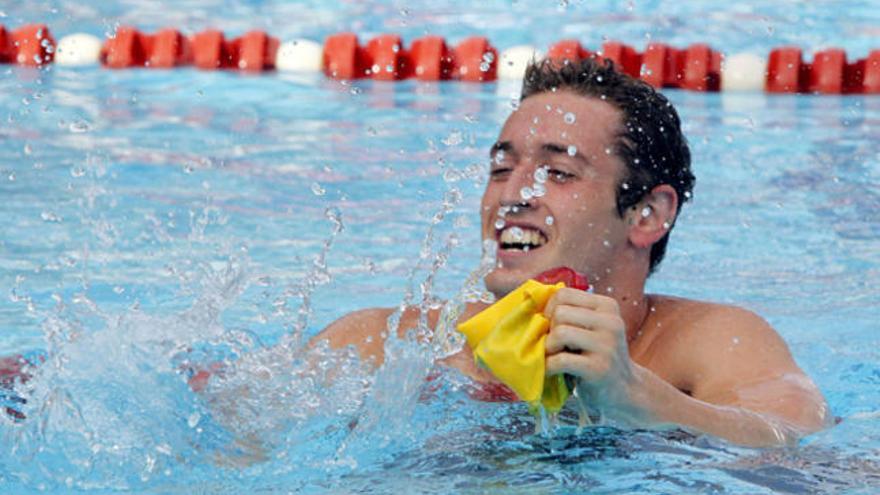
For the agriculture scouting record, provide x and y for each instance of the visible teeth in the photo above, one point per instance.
(522, 237)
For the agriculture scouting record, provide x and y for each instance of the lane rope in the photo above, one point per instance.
(697, 67)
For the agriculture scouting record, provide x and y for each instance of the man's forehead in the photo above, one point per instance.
(562, 115)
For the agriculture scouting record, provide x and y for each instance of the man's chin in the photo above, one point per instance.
(503, 281)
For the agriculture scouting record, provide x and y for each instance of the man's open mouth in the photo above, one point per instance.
(521, 238)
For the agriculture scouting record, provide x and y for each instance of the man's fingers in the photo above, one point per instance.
(586, 367)
(577, 316)
(579, 298)
(566, 337)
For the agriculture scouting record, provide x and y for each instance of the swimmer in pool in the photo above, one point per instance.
(609, 154)
(611, 169)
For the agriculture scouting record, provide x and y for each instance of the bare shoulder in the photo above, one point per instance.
(708, 346)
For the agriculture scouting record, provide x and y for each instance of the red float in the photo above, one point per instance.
(30, 45)
(253, 52)
(625, 57)
(5, 46)
(124, 49)
(871, 74)
(168, 48)
(390, 60)
(701, 69)
(661, 66)
(475, 60)
(827, 72)
(344, 58)
(786, 71)
(431, 59)
(570, 50)
(210, 50)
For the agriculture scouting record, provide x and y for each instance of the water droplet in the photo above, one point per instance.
(77, 171)
(666, 225)
(11, 176)
(688, 194)
(79, 127)
(453, 139)
(541, 174)
(451, 175)
(549, 220)
(607, 151)
(27, 149)
(48, 216)
(572, 150)
(118, 289)
(317, 190)
(539, 190)
(499, 223)
(526, 193)
(569, 118)
(625, 186)
(516, 233)
(193, 419)
(606, 243)
(646, 212)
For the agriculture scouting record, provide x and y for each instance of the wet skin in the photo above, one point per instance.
(640, 359)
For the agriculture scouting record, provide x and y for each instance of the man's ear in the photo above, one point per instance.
(653, 216)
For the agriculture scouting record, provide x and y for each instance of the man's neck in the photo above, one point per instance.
(627, 286)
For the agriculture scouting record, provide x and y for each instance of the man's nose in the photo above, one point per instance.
(519, 187)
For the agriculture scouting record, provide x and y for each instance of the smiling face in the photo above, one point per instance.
(551, 196)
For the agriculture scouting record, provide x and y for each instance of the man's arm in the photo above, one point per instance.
(743, 384)
(366, 330)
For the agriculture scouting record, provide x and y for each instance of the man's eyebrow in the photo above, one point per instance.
(555, 148)
(500, 146)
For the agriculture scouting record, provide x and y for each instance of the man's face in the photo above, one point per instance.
(550, 200)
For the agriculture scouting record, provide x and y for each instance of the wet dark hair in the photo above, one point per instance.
(650, 141)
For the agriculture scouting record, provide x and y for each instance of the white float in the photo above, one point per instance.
(299, 55)
(513, 61)
(78, 49)
(743, 72)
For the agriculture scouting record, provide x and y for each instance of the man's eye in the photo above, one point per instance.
(559, 175)
(499, 172)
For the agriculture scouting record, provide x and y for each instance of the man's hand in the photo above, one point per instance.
(13, 369)
(751, 393)
(587, 340)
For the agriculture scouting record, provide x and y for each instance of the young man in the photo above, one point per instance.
(590, 172)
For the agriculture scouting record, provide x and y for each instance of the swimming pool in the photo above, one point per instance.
(155, 217)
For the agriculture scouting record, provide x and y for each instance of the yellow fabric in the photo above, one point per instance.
(508, 339)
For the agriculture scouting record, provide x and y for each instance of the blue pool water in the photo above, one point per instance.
(155, 220)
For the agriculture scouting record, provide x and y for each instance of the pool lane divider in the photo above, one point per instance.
(429, 58)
